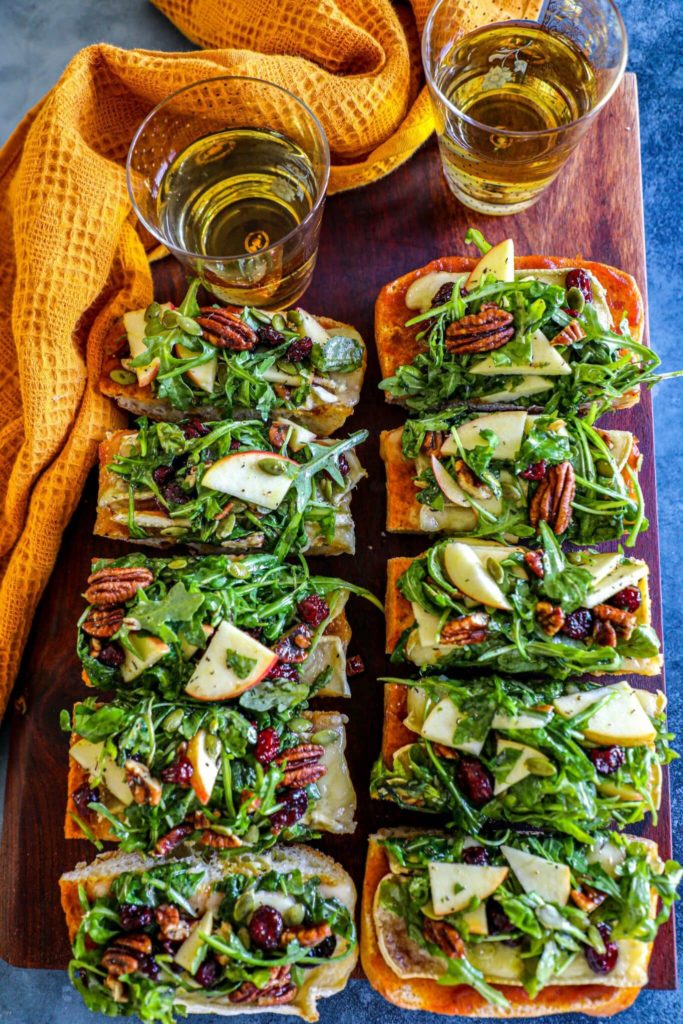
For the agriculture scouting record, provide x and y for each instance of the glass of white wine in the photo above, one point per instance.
(511, 100)
(230, 175)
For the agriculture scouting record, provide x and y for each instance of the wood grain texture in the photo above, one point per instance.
(369, 237)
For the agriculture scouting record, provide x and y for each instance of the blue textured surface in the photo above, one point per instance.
(40, 36)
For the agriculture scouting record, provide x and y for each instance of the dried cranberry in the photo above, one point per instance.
(173, 493)
(355, 665)
(568, 311)
(169, 946)
(265, 927)
(293, 646)
(627, 599)
(294, 806)
(535, 471)
(444, 294)
(326, 948)
(343, 464)
(111, 655)
(135, 916)
(179, 773)
(283, 670)
(267, 745)
(147, 965)
(498, 921)
(207, 972)
(603, 963)
(581, 280)
(193, 428)
(313, 610)
(235, 445)
(475, 855)
(577, 625)
(84, 795)
(475, 780)
(608, 760)
(162, 475)
(267, 335)
(299, 350)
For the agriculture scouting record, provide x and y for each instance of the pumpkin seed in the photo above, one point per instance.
(244, 905)
(324, 737)
(152, 311)
(495, 570)
(300, 726)
(541, 766)
(603, 467)
(273, 467)
(294, 915)
(295, 317)
(226, 526)
(213, 745)
(260, 316)
(124, 377)
(279, 322)
(177, 563)
(576, 300)
(190, 326)
(173, 720)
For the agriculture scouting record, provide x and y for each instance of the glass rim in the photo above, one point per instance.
(188, 253)
(508, 132)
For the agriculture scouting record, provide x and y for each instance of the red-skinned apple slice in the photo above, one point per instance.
(205, 766)
(449, 487)
(243, 476)
(204, 375)
(499, 261)
(215, 679)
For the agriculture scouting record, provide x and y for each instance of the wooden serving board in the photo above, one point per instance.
(369, 237)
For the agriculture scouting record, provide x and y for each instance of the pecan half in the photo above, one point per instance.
(445, 936)
(218, 841)
(117, 962)
(171, 925)
(623, 622)
(550, 617)
(470, 482)
(144, 787)
(569, 334)
(135, 943)
(301, 764)
(431, 444)
(116, 584)
(534, 561)
(490, 328)
(587, 898)
(552, 502)
(172, 839)
(604, 633)
(307, 936)
(467, 629)
(103, 622)
(277, 990)
(293, 646)
(224, 329)
(448, 752)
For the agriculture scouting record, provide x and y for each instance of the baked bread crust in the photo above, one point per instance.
(461, 1000)
(397, 345)
(140, 401)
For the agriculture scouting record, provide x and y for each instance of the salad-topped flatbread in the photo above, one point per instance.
(479, 604)
(216, 627)
(235, 486)
(501, 474)
(209, 934)
(152, 773)
(512, 925)
(217, 362)
(552, 755)
(528, 331)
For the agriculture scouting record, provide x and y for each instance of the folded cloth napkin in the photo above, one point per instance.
(72, 258)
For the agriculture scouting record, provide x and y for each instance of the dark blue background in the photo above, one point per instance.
(38, 37)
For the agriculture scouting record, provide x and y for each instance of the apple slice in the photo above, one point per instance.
(214, 679)
(135, 324)
(626, 574)
(299, 436)
(653, 704)
(204, 375)
(450, 488)
(205, 766)
(440, 724)
(453, 886)
(550, 881)
(194, 948)
(242, 475)
(601, 564)
(620, 444)
(476, 921)
(545, 360)
(468, 575)
(507, 426)
(523, 720)
(520, 769)
(88, 754)
(420, 294)
(522, 387)
(309, 327)
(416, 704)
(499, 261)
(148, 651)
(621, 720)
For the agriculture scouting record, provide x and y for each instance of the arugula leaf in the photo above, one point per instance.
(241, 665)
(339, 354)
(177, 606)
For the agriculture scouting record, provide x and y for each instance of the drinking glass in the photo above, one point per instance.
(230, 175)
(511, 100)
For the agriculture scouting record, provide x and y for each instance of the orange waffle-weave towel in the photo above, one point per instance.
(71, 259)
